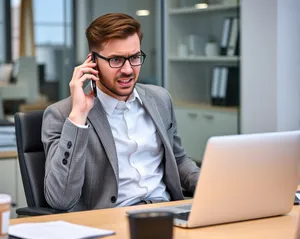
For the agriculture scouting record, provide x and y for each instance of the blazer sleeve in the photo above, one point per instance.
(65, 149)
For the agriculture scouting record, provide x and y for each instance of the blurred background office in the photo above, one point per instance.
(230, 66)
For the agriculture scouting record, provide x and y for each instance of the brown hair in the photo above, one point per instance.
(110, 26)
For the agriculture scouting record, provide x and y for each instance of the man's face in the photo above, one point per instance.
(119, 82)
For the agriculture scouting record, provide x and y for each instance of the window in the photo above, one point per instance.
(2, 32)
(51, 20)
(53, 34)
(52, 31)
(15, 11)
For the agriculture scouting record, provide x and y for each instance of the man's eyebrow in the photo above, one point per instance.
(116, 55)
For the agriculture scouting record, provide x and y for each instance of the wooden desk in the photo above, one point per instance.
(281, 227)
(8, 154)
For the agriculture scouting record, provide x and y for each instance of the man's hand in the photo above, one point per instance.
(82, 103)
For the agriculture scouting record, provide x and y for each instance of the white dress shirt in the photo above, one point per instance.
(139, 150)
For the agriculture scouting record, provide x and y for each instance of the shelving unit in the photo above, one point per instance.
(188, 77)
(214, 59)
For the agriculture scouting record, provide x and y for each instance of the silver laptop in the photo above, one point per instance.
(243, 177)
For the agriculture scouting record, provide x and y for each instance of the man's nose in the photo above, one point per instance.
(126, 68)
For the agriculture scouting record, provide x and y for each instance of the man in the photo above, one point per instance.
(121, 147)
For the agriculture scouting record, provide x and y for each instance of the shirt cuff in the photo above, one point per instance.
(79, 125)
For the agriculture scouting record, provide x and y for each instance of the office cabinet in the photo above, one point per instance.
(8, 180)
(189, 70)
(11, 183)
(196, 126)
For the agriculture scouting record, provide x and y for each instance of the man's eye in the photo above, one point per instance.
(116, 59)
(137, 57)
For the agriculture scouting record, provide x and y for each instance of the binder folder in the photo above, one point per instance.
(225, 36)
(229, 86)
(215, 85)
(233, 43)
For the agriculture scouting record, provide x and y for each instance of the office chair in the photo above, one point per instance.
(32, 163)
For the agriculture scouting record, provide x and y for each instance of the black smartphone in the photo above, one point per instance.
(297, 199)
(93, 82)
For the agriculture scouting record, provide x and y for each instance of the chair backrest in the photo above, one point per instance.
(31, 156)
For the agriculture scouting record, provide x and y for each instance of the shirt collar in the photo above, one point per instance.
(109, 103)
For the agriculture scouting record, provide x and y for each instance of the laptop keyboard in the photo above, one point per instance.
(182, 216)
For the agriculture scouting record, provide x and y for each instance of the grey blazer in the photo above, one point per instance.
(81, 170)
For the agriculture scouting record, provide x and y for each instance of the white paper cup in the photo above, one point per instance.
(5, 201)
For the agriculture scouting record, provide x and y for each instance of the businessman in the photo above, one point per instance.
(117, 144)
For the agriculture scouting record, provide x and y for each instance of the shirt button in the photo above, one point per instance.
(69, 144)
(113, 199)
(64, 161)
(67, 154)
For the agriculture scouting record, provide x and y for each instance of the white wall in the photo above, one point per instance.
(288, 61)
(270, 85)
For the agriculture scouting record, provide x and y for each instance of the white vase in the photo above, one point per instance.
(211, 49)
(182, 50)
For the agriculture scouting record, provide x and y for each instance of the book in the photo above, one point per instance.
(233, 42)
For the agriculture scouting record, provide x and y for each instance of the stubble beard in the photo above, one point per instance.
(116, 92)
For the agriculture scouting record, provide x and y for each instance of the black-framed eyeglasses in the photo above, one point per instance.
(119, 61)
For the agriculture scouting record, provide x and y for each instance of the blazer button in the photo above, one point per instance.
(69, 144)
(67, 154)
(64, 161)
(113, 199)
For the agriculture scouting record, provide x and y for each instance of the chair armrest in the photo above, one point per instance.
(37, 211)
(187, 194)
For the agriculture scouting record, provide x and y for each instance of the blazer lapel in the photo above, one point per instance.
(98, 119)
(171, 176)
(151, 107)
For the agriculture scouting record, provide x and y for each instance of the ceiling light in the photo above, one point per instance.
(201, 5)
(142, 13)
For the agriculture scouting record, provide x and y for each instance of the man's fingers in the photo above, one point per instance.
(88, 59)
(84, 72)
(86, 65)
(81, 80)
(87, 77)
(87, 70)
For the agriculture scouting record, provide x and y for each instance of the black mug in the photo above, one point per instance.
(151, 225)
